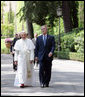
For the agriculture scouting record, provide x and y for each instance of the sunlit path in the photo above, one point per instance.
(67, 79)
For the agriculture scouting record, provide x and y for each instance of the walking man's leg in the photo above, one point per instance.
(41, 73)
(48, 68)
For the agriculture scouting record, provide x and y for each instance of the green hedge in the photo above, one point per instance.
(69, 55)
(72, 41)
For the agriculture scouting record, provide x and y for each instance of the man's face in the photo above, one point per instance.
(16, 35)
(44, 29)
(35, 35)
(23, 36)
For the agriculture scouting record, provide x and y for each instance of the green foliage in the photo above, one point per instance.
(72, 41)
(7, 30)
(2, 10)
(39, 12)
(81, 14)
(74, 5)
(3, 44)
(19, 25)
(7, 27)
(10, 14)
(67, 42)
(79, 42)
(70, 55)
(11, 17)
(5, 51)
(37, 28)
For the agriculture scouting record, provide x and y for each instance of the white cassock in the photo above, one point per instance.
(24, 52)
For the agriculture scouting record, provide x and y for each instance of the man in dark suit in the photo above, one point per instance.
(45, 46)
(34, 41)
(12, 50)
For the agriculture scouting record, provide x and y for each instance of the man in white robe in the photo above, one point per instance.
(24, 56)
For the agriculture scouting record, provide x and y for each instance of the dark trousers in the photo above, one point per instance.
(45, 71)
(14, 66)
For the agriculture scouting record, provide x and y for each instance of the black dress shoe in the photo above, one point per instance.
(47, 85)
(42, 86)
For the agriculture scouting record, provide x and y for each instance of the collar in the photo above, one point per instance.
(45, 35)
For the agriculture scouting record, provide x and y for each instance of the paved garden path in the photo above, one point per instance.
(67, 79)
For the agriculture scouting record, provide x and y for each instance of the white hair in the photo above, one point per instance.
(23, 32)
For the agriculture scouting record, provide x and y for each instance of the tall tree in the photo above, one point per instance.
(10, 14)
(74, 13)
(26, 11)
(70, 14)
(2, 11)
(39, 12)
(66, 16)
(29, 23)
(81, 14)
(44, 12)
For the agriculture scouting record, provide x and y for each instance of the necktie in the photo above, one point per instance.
(44, 40)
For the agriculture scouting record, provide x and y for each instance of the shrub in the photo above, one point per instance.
(79, 42)
(69, 55)
(7, 29)
(5, 51)
(68, 43)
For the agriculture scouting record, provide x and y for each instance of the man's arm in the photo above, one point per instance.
(11, 48)
(53, 47)
(31, 56)
(36, 50)
(16, 57)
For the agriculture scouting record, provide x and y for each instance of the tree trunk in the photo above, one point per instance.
(29, 28)
(22, 25)
(66, 16)
(2, 11)
(29, 25)
(74, 14)
(2, 15)
(15, 20)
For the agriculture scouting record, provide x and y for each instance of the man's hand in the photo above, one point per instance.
(50, 54)
(15, 62)
(11, 53)
(31, 61)
(36, 59)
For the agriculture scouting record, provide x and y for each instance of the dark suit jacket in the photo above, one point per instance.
(42, 51)
(13, 43)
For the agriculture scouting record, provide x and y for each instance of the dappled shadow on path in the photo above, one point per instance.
(61, 82)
